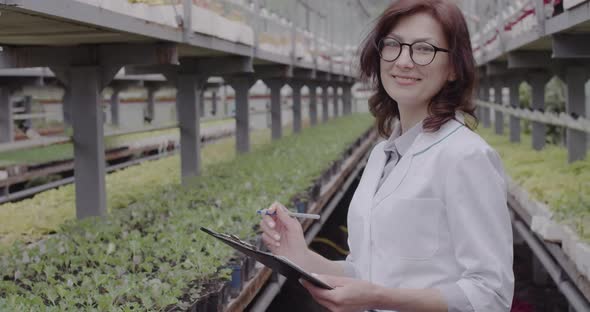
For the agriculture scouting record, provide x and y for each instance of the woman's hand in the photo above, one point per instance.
(283, 235)
(348, 295)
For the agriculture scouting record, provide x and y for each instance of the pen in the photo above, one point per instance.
(292, 214)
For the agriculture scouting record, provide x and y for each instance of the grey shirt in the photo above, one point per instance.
(396, 147)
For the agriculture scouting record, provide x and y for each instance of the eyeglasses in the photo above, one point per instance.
(421, 53)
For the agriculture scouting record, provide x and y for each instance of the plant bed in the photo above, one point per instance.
(156, 240)
(554, 196)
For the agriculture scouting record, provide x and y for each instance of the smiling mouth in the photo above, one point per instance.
(408, 79)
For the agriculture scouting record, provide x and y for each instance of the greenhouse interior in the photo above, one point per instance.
(150, 150)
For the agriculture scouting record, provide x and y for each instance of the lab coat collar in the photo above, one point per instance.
(426, 140)
(422, 144)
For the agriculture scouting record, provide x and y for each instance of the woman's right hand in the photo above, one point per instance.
(283, 235)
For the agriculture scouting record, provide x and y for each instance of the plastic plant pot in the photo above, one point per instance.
(300, 204)
(236, 278)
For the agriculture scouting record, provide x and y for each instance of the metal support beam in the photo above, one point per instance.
(325, 102)
(498, 116)
(304, 74)
(6, 122)
(212, 66)
(571, 46)
(313, 103)
(513, 85)
(577, 141)
(190, 87)
(275, 85)
(115, 120)
(273, 71)
(538, 80)
(89, 157)
(241, 85)
(496, 69)
(529, 59)
(296, 86)
(115, 55)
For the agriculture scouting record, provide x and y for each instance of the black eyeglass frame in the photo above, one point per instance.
(402, 44)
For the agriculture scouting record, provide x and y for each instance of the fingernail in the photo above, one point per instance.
(277, 237)
(271, 224)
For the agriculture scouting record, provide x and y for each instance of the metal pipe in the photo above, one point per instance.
(572, 294)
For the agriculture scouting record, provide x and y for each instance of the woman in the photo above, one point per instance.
(429, 228)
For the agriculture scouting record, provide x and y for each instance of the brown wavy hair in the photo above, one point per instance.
(454, 95)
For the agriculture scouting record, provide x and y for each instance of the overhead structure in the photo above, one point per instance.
(85, 43)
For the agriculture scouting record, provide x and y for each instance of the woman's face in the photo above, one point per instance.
(412, 85)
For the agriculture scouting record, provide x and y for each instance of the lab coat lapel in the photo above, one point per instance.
(396, 176)
(422, 144)
(375, 170)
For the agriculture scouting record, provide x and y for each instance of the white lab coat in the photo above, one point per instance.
(439, 218)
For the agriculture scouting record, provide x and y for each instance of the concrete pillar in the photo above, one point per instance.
(6, 122)
(275, 86)
(498, 116)
(28, 105)
(325, 103)
(89, 157)
(576, 105)
(515, 103)
(66, 106)
(214, 102)
(336, 100)
(189, 90)
(296, 87)
(151, 100)
(538, 80)
(313, 103)
(347, 99)
(115, 107)
(486, 118)
(241, 86)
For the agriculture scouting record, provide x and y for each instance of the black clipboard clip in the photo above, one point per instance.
(279, 264)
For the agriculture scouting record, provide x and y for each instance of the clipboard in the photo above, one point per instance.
(279, 264)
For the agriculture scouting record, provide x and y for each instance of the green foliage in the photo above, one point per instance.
(151, 254)
(548, 178)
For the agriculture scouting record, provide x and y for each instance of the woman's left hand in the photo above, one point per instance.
(348, 295)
